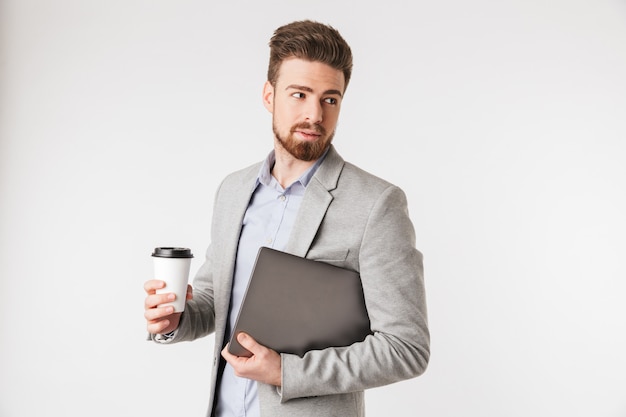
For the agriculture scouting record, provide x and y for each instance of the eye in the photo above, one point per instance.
(330, 100)
(298, 95)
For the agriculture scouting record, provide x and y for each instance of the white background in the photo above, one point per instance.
(504, 122)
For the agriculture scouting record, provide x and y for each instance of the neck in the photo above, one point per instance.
(287, 169)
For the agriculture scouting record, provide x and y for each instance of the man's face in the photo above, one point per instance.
(305, 105)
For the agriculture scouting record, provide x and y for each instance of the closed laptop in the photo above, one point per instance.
(293, 305)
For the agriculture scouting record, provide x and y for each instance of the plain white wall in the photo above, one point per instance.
(504, 121)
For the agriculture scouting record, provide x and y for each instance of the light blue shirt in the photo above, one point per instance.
(268, 222)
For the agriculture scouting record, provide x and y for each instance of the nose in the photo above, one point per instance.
(314, 112)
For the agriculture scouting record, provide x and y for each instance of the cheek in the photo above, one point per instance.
(282, 121)
(279, 117)
(331, 117)
(287, 115)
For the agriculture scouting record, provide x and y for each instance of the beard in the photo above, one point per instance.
(304, 150)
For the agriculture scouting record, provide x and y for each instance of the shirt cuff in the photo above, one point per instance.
(165, 338)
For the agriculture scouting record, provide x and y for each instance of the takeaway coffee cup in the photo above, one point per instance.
(172, 266)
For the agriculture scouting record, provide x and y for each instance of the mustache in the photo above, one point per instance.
(308, 126)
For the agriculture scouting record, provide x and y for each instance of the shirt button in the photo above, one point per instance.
(283, 198)
(269, 240)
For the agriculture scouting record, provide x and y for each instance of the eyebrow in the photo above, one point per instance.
(310, 90)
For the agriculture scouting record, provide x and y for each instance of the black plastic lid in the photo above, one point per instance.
(172, 252)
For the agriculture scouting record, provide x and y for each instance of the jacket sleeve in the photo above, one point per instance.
(391, 272)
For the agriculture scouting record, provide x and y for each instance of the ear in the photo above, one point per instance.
(268, 96)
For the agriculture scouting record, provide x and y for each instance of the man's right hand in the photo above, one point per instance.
(161, 320)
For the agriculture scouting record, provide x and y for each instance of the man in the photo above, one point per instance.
(306, 200)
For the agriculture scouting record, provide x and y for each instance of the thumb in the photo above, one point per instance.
(248, 342)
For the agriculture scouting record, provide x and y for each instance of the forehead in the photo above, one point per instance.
(313, 74)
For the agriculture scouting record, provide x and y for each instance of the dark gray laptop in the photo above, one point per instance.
(294, 305)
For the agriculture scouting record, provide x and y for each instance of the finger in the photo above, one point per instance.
(157, 327)
(246, 341)
(189, 295)
(226, 354)
(155, 300)
(152, 285)
(157, 314)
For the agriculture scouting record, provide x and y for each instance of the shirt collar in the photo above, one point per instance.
(265, 175)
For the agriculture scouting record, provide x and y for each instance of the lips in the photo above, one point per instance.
(308, 131)
(308, 134)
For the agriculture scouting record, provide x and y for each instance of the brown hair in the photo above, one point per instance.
(311, 41)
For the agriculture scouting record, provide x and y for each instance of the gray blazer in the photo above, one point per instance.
(348, 218)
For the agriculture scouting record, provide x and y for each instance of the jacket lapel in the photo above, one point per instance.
(315, 202)
(236, 209)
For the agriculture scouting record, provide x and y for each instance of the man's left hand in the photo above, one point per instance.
(263, 366)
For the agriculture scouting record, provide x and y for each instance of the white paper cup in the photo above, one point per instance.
(172, 266)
